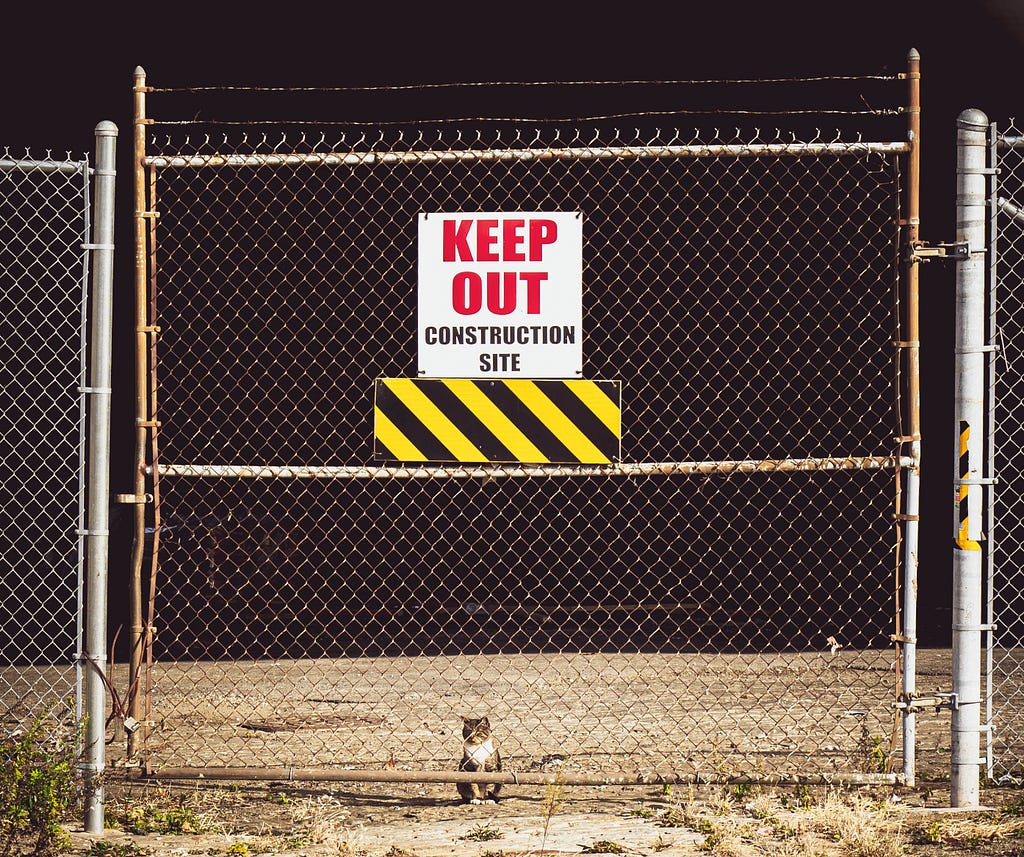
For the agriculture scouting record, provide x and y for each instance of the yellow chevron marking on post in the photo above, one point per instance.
(966, 544)
(497, 423)
(963, 541)
(561, 426)
(597, 400)
(392, 437)
(434, 419)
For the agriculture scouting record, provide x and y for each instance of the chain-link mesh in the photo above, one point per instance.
(43, 225)
(1006, 670)
(316, 608)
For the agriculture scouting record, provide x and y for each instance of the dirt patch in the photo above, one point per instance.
(428, 821)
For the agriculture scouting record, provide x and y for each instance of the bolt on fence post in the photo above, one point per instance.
(969, 395)
(98, 475)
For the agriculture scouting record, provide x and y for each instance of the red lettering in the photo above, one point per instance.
(485, 240)
(533, 279)
(467, 293)
(511, 239)
(501, 301)
(541, 232)
(455, 240)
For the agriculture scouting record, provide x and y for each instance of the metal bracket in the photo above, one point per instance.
(952, 252)
(918, 701)
(134, 499)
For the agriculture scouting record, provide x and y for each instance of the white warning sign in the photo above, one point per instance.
(500, 295)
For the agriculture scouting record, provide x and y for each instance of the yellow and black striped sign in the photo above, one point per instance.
(506, 420)
(963, 540)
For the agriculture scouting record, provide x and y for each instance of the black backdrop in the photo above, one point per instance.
(60, 77)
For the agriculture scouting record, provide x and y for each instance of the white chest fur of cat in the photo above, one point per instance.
(479, 754)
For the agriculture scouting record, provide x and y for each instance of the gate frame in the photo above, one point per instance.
(906, 463)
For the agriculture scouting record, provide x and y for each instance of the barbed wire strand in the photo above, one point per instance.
(523, 83)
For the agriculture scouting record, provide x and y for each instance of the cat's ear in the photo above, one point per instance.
(485, 722)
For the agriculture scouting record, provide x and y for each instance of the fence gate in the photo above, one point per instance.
(44, 223)
(349, 559)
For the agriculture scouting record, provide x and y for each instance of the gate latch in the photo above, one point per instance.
(952, 252)
(937, 700)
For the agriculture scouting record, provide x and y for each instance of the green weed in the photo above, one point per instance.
(37, 783)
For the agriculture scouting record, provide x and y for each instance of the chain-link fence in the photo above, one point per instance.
(1004, 547)
(721, 597)
(44, 223)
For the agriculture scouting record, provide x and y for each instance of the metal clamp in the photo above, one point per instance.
(938, 700)
(955, 251)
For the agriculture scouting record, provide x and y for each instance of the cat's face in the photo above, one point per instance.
(476, 729)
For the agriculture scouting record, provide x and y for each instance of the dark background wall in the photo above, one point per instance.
(59, 79)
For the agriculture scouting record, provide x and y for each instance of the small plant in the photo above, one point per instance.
(482, 833)
(660, 844)
(804, 797)
(741, 791)
(554, 793)
(237, 849)
(113, 849)
(148, 818)
(930, 835)
(37, 784)
(603, 846)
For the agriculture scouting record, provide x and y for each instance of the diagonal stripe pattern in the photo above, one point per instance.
(507, 420)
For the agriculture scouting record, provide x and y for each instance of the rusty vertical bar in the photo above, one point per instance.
(136, 641)
(154, 455)
(912, 344)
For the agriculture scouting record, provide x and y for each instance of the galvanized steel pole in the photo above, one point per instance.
(969, 393)
(98, 476)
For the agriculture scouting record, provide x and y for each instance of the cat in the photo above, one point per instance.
(479, 753)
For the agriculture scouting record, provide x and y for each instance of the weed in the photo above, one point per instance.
(641, 812)
(482, 833)
(741, 790)
(660, 844)
(149, 818)
(554, 794)
(237, 849)
(603, 846)
(493, 854)
(929, 835)
(860, 826)
(37, 783)
(113, 849)
(325, 816)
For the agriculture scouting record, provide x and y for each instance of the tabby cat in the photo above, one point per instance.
(478, 754)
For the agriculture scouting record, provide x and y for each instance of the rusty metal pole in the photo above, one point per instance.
(912, 346)
(137, 637)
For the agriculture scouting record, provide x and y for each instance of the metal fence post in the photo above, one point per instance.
(971, 216)
(913, 473)
(98, 496)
